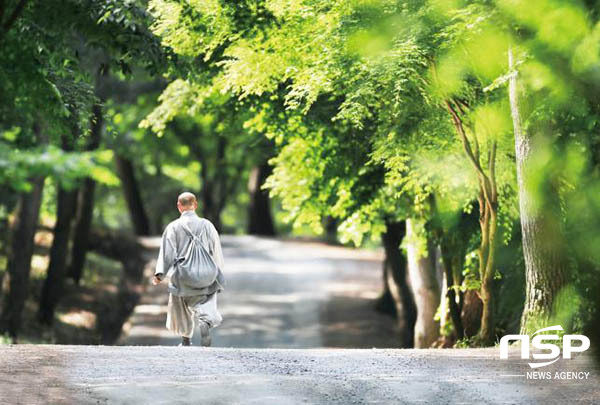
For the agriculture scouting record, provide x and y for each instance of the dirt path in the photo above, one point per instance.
(180, 375)
(283, 294)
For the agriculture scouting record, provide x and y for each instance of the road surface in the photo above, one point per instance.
(288, 310)
(196, 375)
(283, 294)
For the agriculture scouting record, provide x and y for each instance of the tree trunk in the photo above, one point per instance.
(385, 303)
(426, 291)
(83, 223)
(487, 262)
(19, 259)
(214, 183)
(470, 313)
(546, 270)
(453, 238)
(57, 267)
(53, 285)
(21, 248)
(209, 193)
(451, 268)
(4, 239)
(488, 214)
(85, 204)
(331, 229)
(260, 220)
(397, 291)
(131, 191)
(210, 208)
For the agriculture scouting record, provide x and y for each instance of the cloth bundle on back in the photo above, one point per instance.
(196, 270)
(191, 256)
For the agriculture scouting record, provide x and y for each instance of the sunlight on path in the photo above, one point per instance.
(283, 294)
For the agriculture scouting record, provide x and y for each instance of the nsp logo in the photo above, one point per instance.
(538, 343)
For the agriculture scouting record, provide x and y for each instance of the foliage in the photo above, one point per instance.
(18, 166)
(368, 111)
(49, 61)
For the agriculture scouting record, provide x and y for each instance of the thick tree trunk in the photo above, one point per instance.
(85, 204)
(83, 223)
(470, 314)
(131, 191)
(397, 291)
(22, 244)
(260, 220)
(53, 285)
(426, 291)
(57, 267)
(546, 270)
(385, 303)
(19, 259)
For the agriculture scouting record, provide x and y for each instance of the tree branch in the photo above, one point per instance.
(476, 144)
(462, 102)
(465, 140)
(483, 178)
(492, 169)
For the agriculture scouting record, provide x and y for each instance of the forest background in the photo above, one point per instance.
(462, 137)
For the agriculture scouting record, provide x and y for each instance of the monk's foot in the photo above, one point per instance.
(205, 332)
(185, 341)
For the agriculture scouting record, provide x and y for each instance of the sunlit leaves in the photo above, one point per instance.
(254, 69)
(178, 98)
(298, 168)
(18, 166)
(191, 28)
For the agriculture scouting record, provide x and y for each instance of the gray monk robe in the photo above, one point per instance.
(189, 303)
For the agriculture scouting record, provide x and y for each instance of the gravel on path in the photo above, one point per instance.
(179, 375)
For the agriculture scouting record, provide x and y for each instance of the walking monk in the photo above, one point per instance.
(191, 257)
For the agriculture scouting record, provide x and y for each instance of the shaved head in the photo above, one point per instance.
(187, 200)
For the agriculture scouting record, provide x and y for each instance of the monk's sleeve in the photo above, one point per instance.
(217, 252)
(167, 253)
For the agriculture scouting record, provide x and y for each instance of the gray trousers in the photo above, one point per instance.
(184, 313)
